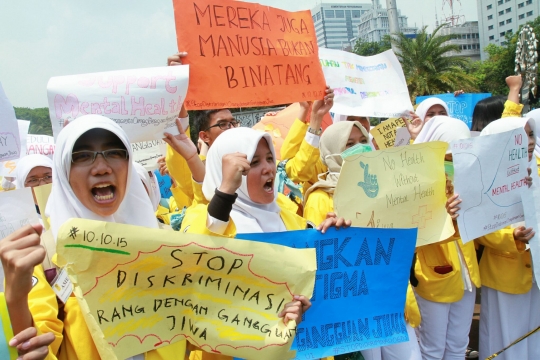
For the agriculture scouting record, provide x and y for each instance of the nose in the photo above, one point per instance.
(100, 166)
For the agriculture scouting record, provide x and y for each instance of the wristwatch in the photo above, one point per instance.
(314, 132)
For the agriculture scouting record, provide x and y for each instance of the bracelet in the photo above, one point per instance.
(315, 132)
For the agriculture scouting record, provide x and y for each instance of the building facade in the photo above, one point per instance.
(496, 18)
(374, 24)
(336, 24)
(467, 39)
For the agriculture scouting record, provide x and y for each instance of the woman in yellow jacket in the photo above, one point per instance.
(447, 273)
(239, 185)
(319, 202)
(93, 179)
(510, 296)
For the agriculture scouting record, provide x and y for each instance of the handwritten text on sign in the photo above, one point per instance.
(220, 294)
(385, 133)
(366, 85)
(10, 146)
(244, 54)
(401, 187)
(144, 102)
(489, 174)
(40, 144)
(351, 264)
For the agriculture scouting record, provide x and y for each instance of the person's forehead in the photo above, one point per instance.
(222, 115)
(38, 170)
(437, 107)
(97, 138)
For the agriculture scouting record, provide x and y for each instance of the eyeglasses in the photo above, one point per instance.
(33, 182)
(88, 157)
(225, 125)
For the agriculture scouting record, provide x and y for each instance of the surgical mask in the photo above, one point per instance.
(449, 169)
(356, 149)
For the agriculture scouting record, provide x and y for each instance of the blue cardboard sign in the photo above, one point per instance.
(360, 288)
(460, 107)
(165, 184)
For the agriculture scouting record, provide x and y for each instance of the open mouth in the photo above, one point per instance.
(269, 186)
(103, 193)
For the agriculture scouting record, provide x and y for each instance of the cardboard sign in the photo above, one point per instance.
(147, 153)
(351, 264)
(40, 144)
(366, 85)
(245, 54)
(144, 102)
(400, 187)
(221, 294)
(10, 145)
(461, 107)
(6, 332)
(165, 184)
(489, 174)
(385, 133)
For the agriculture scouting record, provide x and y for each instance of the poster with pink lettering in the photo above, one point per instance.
(10, 144)
(144, 102)
(489, 175)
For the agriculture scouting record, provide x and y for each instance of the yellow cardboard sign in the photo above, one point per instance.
(142, 288)
(42, 194)
(385, 133)
(400, 187)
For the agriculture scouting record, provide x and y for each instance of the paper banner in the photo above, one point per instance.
(9, 168)
(164, 185)
(144, 102)
(10, 146)
(350, 265)
(278, 126)
(142, 288)
(400, 187)
(245, 54)
(17, 209)
(6, 333)
(40, 144)
(460, 107)
(530, 198)
(489, 174)
(148, 152)
(385, 133)
(366, 85)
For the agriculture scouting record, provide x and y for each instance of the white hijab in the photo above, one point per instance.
(507, 124)
(443, 128)
(151, 184)
(425, 105)
(248, 216)
(135, 208)
(535, 115)
(26, 164)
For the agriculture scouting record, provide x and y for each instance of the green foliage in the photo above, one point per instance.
(351, 356)
(40, 122)
(366, 48)
(427, 67)
(490, 74)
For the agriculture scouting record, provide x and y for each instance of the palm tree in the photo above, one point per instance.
(427, 66)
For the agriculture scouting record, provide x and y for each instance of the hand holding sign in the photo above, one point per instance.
(370, 184)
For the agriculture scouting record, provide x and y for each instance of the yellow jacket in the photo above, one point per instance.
(511, 109)
(505, 265)
(447, 287)
(304, 165)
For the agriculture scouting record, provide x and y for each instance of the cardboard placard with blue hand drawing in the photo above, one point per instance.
(400, 187)
(489, 174)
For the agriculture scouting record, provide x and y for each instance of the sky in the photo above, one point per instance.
(41, 39)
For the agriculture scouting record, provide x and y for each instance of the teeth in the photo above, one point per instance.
(102, 198)
(102, 186)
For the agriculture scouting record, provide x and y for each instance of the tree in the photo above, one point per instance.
(427, 67)
(40, 122)
(367, 48)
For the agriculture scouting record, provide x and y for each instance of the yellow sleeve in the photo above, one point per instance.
(294, 138)
(180, 199)
(44, 308)
(179, 170)
(301, 167)
(511, 109)
(502, 240)
(318, 204)
(195, 222)
(412, 312)
(198, 196)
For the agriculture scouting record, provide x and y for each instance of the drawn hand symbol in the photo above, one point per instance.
(370, 185)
